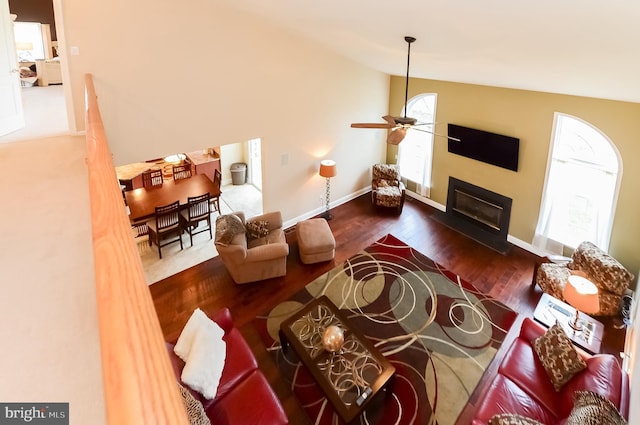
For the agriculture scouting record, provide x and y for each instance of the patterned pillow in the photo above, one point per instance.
(590, 408)
(512, 419)
(195, 411)
(257, 229)
(228, 226)
(560, 359)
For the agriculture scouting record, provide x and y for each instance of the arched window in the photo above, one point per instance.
(581, 187)
(415, 152)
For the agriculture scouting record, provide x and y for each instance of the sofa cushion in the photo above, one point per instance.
(505, 396)
(592, 409)
(522, 366)
(558, 355)
(239, 363)
(228, 226)
(512, 419)
(251, 402)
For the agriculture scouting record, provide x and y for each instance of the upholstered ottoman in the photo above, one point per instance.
(315, 241)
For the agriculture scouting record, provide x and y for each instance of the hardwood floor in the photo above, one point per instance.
(355, 226)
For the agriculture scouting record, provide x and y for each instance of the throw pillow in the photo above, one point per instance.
(228, 226)
(559, 357)
(590, 408)
(512, 419)
(195, 411)
(257, 229)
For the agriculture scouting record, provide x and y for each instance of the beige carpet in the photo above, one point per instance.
(244, 198)
(45, 113)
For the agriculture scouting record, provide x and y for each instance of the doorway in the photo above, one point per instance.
(47, 111)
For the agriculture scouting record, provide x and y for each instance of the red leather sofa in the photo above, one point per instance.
(522, 386)
(244, 395)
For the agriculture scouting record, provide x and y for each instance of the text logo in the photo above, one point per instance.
(34, 413)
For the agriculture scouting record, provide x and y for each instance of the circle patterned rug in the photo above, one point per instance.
(438, 331)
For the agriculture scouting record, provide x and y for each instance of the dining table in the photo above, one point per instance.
(143, 201)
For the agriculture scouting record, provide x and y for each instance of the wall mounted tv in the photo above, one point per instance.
(483, 146)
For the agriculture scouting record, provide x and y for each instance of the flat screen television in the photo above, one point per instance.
(484, 146)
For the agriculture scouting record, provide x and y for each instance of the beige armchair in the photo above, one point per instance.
(254, 249)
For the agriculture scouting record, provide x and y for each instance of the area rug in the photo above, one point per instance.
(438, 331)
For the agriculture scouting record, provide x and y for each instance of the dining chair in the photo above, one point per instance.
(181, 171)
(217, 182)
(152, 178)
(198, 209)
(165, 226)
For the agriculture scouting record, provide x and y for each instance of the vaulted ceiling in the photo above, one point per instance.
(580, 47)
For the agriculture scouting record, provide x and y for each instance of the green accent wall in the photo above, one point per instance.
(528, 115)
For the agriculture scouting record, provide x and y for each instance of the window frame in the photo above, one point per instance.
(541, 239)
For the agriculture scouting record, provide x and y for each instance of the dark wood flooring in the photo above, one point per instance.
(355, 226)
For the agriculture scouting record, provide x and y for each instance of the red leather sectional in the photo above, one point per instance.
(244, 395)
(523, 387)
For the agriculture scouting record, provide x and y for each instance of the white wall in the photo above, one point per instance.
(181, 76)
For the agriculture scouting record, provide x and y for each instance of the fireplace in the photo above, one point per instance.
(479, 213)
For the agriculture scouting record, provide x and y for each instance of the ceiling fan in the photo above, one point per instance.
(400, 125)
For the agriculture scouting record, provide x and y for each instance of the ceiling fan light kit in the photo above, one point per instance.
(400, 125)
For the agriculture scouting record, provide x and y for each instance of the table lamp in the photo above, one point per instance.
(582, 294)
(328, 170)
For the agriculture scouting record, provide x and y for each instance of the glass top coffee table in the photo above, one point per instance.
(351, 376)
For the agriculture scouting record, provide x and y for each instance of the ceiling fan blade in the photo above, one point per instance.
(371, 125)
(396, 136)
(436, 134)
(390, 120)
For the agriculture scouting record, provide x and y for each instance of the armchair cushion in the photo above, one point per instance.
(227, 227)
(386, 172)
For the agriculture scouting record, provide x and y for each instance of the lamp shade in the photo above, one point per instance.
(582, 294)
(328, 168)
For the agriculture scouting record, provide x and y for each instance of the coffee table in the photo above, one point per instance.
(350, 377)
(551, 310)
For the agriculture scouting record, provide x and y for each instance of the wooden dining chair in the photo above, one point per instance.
(217, 182)
(152, 178)
(198, 209)
(181, 171)
(165, 228)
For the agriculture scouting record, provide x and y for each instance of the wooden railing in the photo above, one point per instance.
(139, 384)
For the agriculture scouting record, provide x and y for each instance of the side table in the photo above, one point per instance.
(551, 310)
